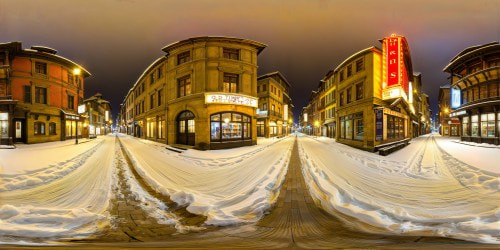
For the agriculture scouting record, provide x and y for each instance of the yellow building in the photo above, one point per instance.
(376, 96)
(98, 111)
(202, 93)
(274, 115)
(330, 89)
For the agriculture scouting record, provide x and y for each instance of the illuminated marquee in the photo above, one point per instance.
(396, 67)
(222, 98)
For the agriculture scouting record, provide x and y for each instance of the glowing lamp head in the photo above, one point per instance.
(226, 120)
(77, 71)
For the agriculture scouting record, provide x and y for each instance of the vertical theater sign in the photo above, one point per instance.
(397, 69)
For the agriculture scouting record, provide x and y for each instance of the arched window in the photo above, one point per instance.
(230, 126)
(186, 128)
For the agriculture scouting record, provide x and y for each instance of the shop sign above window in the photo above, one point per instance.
(220, 98)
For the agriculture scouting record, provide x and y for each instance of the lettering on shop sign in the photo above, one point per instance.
(231, 99)
(392, 61)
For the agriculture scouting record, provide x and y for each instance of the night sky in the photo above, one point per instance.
(117, 40)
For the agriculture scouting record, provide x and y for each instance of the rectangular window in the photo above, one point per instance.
(41, 68)
(359, 131)
(264, 88)
(160, 73)
(341, 75)
(27, 94)
(39, 128)
(359, 91)
(161, 127)
(40, 95)
(360, 65)
(349, 70)
(151, 101)
(488, 125)
(230, 83)
(341, 99)
(233, 54)
(183, 57)
(160, 95)
(215, 131)
(70, 78)
(71, 102)
(264, 106)
(52, 128)
(184, 86)
(474, 125)
(349, 95)
(465, 126)
(342, 127)
(348, 129)
(151, 79)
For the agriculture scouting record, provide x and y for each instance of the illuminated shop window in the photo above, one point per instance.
(465, 126)
(229, 126)
(474, 125)
(488, 125)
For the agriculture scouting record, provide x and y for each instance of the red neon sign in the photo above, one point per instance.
(393, 60)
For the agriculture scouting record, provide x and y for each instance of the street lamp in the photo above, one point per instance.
(76, 72)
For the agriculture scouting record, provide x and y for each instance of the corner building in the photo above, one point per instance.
(375, 97)
(475, 92)
(39, 95)
(202, 93)
(274, 115)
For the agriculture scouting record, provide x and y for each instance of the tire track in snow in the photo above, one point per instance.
(140, 213)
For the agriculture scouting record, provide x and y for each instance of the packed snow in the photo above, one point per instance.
(71, 202)
(225, 186)
(435, 186)
(421, 190)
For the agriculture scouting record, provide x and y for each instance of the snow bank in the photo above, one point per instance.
(418, 195)
(44, 175)
(227, 188)
(73, 204)
(35, 222)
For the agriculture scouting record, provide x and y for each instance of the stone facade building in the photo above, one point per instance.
(98, 111)
(39, 95)
(372, 100)
(202, 93)
(274, 116)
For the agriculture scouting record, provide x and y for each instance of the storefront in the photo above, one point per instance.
(481, 127)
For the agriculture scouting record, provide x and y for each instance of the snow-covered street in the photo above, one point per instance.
(421, 190)
(61, 190)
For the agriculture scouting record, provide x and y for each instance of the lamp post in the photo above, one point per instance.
(76, 72)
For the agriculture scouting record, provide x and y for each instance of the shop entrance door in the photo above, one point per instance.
(185, 128)
(19, 131)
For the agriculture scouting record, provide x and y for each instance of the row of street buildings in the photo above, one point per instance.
(372, 100)
(42, 98)
(204, 92)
